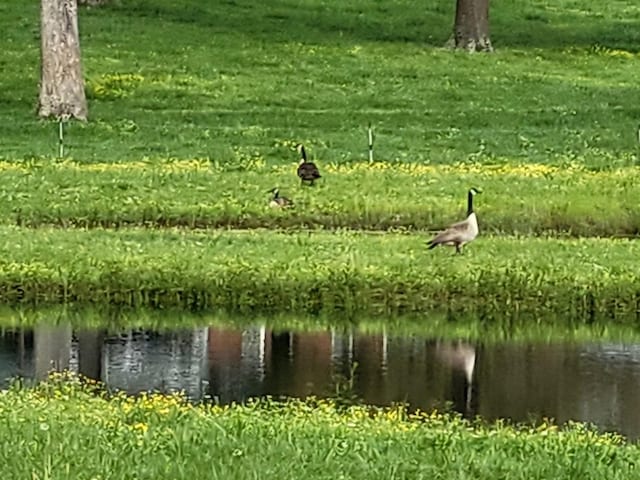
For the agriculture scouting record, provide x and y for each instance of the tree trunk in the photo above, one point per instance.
(471, 28)
(61, 83)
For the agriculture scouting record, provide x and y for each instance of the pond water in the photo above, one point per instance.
(597, 383)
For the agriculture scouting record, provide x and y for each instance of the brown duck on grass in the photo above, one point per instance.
(461, 233)
(307, 171)
(277, 201)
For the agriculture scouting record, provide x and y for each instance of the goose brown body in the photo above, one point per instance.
(307, 171)
(459, 233)
(277, 201)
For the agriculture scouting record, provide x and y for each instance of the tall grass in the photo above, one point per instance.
(63, 429)
(346, 272)
(519, 198)
(235, 79)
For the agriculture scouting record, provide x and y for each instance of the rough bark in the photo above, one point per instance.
(471, 27)
(61, 83)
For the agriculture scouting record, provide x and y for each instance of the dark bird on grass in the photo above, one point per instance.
(462, 232)
(307, 171)
(279, 202)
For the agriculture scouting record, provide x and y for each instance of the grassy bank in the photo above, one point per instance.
(524, 198)
(65, 430)
(302, 272)
(239, 79)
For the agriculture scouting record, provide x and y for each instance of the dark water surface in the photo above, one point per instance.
(592, 382)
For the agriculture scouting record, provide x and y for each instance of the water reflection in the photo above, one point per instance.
(598, 383)
(460, 357)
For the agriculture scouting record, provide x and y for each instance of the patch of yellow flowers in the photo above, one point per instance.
(66, 401)
(531, 170)
(204, 165)
(170, 166)
(113, 85)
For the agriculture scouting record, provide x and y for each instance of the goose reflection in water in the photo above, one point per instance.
(460, 356)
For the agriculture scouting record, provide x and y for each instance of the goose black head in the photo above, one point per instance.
(472, 191)
(275, 191)
(301, 151)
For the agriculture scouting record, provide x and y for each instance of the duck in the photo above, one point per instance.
(460, 233)
(307, 171)
(277, 201)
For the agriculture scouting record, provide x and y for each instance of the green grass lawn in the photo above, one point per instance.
(239, 79)
(320, 272)
(194, 108)
(63, 429)
(194, 112)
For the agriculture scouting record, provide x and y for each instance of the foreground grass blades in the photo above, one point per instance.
(304, 272)
(67, 429)
(518, 198)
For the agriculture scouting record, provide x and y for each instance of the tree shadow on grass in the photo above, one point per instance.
(520, 24)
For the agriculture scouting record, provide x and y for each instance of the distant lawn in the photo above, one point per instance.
(237, 79)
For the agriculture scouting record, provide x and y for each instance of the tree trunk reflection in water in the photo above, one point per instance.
(52, 349)
(147, 361)
(90, 355)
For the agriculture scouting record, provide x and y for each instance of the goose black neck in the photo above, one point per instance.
(303, 153)
(469, 203)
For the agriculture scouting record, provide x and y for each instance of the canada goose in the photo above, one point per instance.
(307, 171)
(462, 232)
(277, 201)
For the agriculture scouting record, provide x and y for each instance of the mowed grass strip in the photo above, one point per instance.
(348, 272)
(64, 429)
(517, 199)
